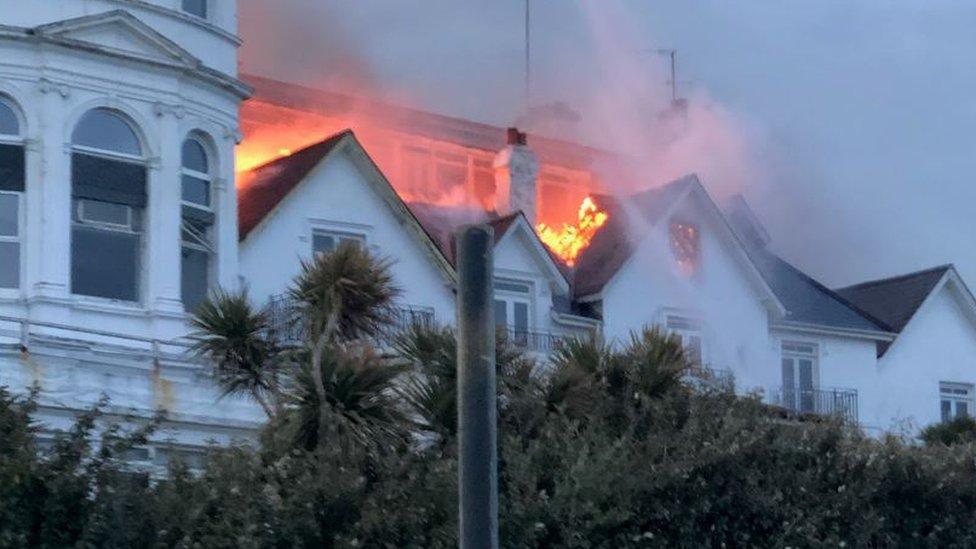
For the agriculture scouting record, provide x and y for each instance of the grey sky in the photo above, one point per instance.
(859, 116)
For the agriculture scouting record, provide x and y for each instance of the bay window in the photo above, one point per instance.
(12, 179)
(197, 248)
(108, 187)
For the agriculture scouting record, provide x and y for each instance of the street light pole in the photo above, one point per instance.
(477, 422)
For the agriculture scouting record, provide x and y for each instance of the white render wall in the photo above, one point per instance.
(337, 196)
(721, 294)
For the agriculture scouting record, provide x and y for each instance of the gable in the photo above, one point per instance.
(120, 33)
(519, 250)
(941, 334)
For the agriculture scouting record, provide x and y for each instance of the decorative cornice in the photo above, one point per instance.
(161, 109)
(45, 86)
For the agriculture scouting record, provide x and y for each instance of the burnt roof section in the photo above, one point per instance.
(613, 244)
(808, 301)
(459, 131)
(895, 300)
(265, 186)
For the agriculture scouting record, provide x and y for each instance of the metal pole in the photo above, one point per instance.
(528, 59)
(477, 436)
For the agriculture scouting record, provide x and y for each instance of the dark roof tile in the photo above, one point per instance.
(895, 300)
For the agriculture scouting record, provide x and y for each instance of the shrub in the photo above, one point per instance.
(961, 429)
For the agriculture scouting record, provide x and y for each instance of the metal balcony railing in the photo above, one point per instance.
(286, 324)
(716, 378)
(824, 401)
(532, 340)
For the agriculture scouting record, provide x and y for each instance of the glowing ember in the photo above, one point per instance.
(570, 240)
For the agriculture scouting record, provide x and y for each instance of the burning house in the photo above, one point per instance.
(138, 171)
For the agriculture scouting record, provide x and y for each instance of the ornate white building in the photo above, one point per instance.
(118, 121)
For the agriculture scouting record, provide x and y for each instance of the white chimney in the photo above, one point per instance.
(516, 169)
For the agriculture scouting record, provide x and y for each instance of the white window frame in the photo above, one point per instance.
(337, 230)
(795, 351)
(955, 393)
(687, 328)
(18, 239)
(203, 176)
(511, 297)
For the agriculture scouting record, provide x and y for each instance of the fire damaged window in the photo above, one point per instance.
(685, 241)
(483, 183)
(197, 250)
(108, 187)
(196, 7)
(12, 180)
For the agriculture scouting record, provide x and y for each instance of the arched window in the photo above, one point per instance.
(198, 219)
(108, 188)
(12, 179)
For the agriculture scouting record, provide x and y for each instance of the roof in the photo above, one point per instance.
(810, 302)
(459, 131)
(265, 186)
(896, 299)
(613, 244)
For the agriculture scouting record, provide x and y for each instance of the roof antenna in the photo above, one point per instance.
(528, 67)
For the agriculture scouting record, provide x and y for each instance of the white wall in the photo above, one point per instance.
(337, 195)
(938, 344)
(721, 293)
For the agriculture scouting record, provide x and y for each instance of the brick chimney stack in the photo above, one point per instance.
(516, 169)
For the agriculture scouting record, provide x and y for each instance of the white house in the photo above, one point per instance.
(120, 210)
(118, 122)
(927, 374)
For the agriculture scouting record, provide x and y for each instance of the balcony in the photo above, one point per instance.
(713, 378)
(531, 340)
(824, 401)
(287, 326)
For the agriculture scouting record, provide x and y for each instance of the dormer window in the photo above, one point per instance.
(686, 246)
(197, 249)
(108, 187)
(196, 7)
(12, 179)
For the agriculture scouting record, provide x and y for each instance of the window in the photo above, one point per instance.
(196, 7)
(956, 400)
(484, 183)
(689, 331)
(799, 365)
(108, 187)
(324, 241)
(197, 250)
(9, 240)
(12, 180)
(512, 303)
(686, 246)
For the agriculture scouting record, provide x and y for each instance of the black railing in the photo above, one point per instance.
(531, 340)
(824, 401)
(286, 324)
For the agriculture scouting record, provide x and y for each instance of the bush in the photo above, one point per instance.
(961, 429)
(604, 450)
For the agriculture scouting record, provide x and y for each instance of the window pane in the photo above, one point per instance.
(195, 277)
(693, 348)
(8, 215)
(323, 243)
(196, 7)
(9, 125)
(105, 130)
(962, 408)
(789, 384)
(946, 410)
(196, 190)
(9, 264)
(104, 212)
(104, 263)
(501, 313)
(521, 317)
(512, 287)
(194, 156)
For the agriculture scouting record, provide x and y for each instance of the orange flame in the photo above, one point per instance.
(570, 240)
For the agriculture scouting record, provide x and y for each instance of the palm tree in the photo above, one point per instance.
(342, 296)
(360, 400)
(233, 336)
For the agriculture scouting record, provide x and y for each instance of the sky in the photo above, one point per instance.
(849, 126)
